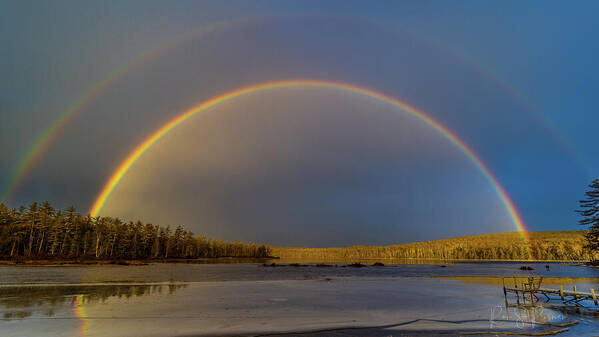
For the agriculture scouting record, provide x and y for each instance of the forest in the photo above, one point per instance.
(550, 246)
(42, 232)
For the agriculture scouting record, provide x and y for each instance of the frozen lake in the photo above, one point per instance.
(199, 272)
(250, 299)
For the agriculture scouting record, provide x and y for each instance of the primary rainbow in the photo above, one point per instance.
(141, 148)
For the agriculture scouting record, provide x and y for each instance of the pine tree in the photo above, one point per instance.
(32, 221)
(590, 213)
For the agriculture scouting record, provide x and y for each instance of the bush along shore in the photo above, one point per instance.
(41, 232)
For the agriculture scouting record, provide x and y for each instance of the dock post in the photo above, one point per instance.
(561, 292)
(594, 296)
(575, 296)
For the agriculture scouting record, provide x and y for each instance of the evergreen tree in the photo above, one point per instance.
(590, 213)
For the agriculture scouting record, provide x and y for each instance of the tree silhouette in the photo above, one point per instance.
(590, 213)
(43, 232)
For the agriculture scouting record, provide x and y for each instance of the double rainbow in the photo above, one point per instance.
(39, 148)
(122, 169)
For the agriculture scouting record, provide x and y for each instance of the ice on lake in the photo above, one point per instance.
(248, 299)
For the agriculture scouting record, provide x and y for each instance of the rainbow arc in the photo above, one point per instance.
(126, 164)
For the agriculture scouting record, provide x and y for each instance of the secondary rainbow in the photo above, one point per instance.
(146, 144)
(39, 148)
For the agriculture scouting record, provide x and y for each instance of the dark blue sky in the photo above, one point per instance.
(515, 80)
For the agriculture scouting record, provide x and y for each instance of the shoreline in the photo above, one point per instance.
(233, 260)
(125, 262)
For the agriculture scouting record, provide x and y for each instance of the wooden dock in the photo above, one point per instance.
(528, 292)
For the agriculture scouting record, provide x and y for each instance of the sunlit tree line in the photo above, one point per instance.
(41, 231)
(560, 245)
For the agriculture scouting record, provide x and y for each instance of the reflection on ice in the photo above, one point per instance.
(18, 302)
(252, 299)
